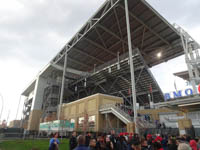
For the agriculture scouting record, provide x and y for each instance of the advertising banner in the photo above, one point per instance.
(57, 125)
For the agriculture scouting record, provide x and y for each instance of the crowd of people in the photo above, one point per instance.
(125, 141)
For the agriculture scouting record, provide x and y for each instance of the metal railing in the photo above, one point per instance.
(141, 122)
(122, 112)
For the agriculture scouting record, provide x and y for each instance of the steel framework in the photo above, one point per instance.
(113, 51)
(192, 58)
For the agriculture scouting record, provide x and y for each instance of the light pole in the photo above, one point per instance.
(1, 106)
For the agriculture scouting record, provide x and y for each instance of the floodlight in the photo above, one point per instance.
(159, 54)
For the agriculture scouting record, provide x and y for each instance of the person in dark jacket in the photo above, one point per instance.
(144, 144)
(87, 139)
(113, 138)
(81, 143)
(73, 141)
(92, 145)
(149, 141)
(109, 144)
(157, 145)
(121, 144)
(98, 143)
(172, 144)
(135, 145)
(164, 142)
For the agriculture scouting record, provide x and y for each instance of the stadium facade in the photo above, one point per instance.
(111, 54)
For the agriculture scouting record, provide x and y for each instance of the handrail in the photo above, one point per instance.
(107, 106)
(140, 122)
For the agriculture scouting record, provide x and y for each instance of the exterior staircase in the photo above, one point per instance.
(119, 113)
(125, 117)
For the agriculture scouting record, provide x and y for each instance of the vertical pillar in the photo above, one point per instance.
(62, 86)
(38, 93)
(36, 108)
(106, 117)
(131, 64)
(118, 123)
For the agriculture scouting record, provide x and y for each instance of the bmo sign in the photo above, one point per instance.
(180, 93)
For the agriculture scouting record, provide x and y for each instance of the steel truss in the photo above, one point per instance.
(192, 57)
(98, 54)
(107, 6)
(118, 81)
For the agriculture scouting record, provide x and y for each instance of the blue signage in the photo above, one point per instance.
(178, 94)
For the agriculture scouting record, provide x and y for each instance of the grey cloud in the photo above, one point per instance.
(40, 30)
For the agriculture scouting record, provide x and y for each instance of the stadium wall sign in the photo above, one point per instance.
(56, 126)
(180, 93)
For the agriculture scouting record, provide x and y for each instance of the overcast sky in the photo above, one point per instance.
(32, 32)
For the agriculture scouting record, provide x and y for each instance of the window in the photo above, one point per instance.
(91, 121)
(72, 120)
(81, 120)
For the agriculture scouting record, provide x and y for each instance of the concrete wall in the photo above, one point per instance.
(15, 124)
(113, 122)
(34, 120)
(154, 113)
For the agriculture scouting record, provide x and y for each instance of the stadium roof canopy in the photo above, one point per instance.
(105, 34)
(102, 41)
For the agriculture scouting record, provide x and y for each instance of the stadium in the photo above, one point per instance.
(109, 59)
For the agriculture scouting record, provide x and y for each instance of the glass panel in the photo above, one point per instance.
(72, 120)
(80, 120)
(91, 121)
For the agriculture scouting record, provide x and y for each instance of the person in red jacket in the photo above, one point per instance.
(193, 144)
(157, 143)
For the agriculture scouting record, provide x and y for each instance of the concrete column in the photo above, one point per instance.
(36, 109)
(106, 118)
(38, 93)
(117, 122)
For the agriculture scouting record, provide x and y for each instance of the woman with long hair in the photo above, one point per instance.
(54, 142)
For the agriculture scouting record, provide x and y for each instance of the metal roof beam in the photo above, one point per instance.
(112, 85)
(100, 37)
(120, 92)
(118, 24)
(113, 34)
(137, 93)
(116, 36)
(86, 54)
(86, 28)
(135, 31)
(157, 42)
(149, 28)
(80, 63)
(74, 71)
(99, 46)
